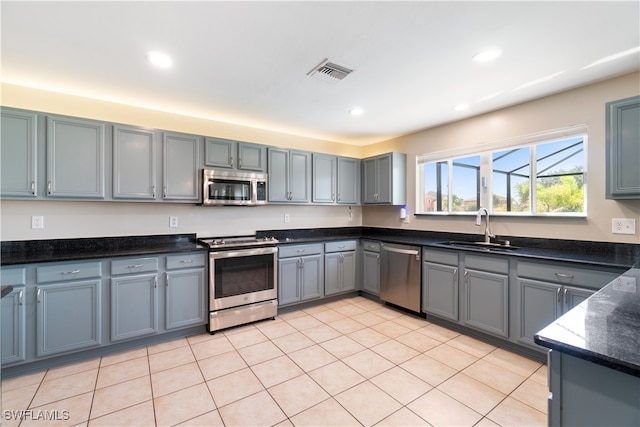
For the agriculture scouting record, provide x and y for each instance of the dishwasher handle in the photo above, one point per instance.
(413, 252)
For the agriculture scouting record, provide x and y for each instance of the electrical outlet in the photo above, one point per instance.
(623, 226)
(173, 221)
(625, 284)
(37, 222)
(287, 218)
(350, 216)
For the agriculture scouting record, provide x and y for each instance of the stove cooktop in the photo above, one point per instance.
(237, 242)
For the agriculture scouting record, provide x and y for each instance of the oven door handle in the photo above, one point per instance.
(243, 252)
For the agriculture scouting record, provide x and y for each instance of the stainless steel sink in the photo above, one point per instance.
(502, 246)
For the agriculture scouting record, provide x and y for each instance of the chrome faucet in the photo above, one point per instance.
(487, 233)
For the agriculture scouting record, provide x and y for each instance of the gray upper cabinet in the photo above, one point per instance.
(289, 176)
(134, 163)
(623, 148)
(384, 179)
(336, 180)
(75, 158)
(18, 145)
(228, 154)
(181, 167)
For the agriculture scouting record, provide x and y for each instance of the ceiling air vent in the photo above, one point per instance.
(330, 71)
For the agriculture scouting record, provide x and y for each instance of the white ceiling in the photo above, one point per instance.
(247, 62)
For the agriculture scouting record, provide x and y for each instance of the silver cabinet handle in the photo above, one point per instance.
(564, 276)
(231, 161)
(186, 261)
(301, 262)
(38, 295)
(49, 187)
(155, 282)
(565, 297)
(333, 197)
(166, 279)
(558, 295)
(466, 277)
(134, 266)
(153, 191)
(455, 273)
(33, 187)
(338, 196)
(342, 246)
(20, 300)
(70, 272)
(378, 258)
(300, 251)
(164, 192)
(239, 162)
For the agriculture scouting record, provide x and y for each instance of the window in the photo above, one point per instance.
(502, 179)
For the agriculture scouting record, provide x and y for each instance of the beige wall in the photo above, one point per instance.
(584, 105)
(88, 219)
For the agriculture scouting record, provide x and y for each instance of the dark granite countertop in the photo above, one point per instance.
(603, 254)
(604, 329)
(37, 251)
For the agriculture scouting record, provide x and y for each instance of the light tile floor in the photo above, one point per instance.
(348, 362)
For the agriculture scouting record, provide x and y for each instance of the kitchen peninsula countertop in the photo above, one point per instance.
(37, 251)
(602, 329)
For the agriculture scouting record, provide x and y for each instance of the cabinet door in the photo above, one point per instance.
(185, 298)
(75, 158)
(289, 281)
(181, 163)
(332, 273)
(324, 178)
(370, 185)
(348, 181)
(18, 145)
(68, 317)
(348, 273)
(440, 290)
(371, 274)
(219, 153)
(623, 148)
(134, 163)
(487, 302)
(538, 307)
(384, 184)
(134, 306)
(300, 177)
(13, 326)
(252, 157)
(278, 175)
(312, 279)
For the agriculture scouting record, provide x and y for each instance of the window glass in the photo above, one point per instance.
(511, 174)
(466, 184)
(560, 176)
(436, 187)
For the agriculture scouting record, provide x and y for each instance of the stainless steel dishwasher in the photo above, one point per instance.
(400, 275)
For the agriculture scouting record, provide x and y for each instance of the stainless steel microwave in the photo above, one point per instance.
(233, 188)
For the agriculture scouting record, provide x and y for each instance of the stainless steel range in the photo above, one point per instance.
(243, 280)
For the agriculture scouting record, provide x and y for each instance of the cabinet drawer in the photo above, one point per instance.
(487, 263)
(12, 276)
(371, 246)
(72, 271)
(565, 274)
(348, 245)
(186, 261)
(440, 257)
(299, 250)
(134, 265)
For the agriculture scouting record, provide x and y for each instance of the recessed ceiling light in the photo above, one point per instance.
(461, 107)
(159, 59)
(486, 55)
(356, 111)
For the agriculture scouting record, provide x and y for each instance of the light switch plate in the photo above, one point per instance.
(173, 221)
(623, 226)
(37, 222)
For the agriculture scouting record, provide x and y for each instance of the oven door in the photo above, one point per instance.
(244, 276)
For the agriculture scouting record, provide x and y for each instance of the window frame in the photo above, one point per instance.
(485, 182)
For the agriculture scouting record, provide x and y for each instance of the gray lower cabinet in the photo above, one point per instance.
(340, 266)
(18, 145)
(75, 158)
(300, 273)
(185, 286)
(486, 294)
(384, 179)
(134, 298)
(545, 291)
(440, 283)
(587, 394)
(623, 148)
(68, 316)
(181, 167)
(13, 326)
(289, 176)
(134, 163)
(371, 266)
